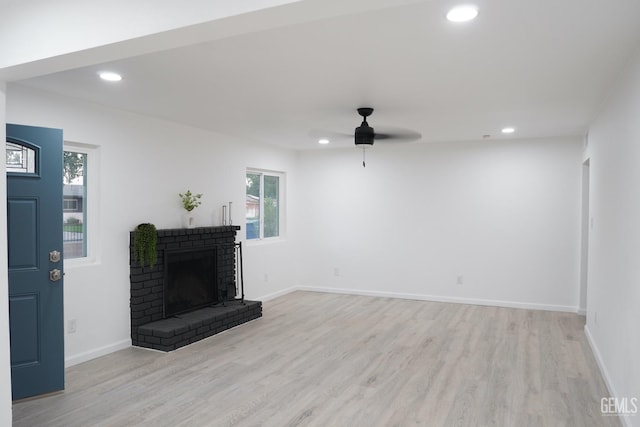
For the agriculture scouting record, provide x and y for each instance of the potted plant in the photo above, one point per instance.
(190, 201)
(145, 238)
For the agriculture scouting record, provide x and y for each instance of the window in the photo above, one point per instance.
(71, 205)
(263, 204)
(20, 159)
(74, 190)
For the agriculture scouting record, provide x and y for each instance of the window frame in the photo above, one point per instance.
(281, 205)
(90, 204)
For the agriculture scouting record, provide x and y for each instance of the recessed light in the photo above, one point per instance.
(110, 76)
(508, 130)
(323, 141)
(462, 13)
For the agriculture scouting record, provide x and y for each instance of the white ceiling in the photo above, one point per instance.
(542, 66)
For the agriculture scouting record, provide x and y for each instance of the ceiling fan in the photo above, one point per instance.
(364, 135)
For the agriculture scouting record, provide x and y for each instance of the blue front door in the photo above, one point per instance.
(34, 221)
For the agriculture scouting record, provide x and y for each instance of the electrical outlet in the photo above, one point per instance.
(336, 271)
(460, 280)
(72, 325)
(266, 277)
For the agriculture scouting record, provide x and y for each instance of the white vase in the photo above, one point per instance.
(189, 220)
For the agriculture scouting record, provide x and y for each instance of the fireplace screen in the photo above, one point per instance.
(190, 280)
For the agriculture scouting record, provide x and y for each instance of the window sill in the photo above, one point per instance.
(263, 242)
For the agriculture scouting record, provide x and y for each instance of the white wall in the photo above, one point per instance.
(5, 365)
(144, 164)
(503, 215)
(613, 300)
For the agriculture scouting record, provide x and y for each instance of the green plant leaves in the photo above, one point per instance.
(145, 238)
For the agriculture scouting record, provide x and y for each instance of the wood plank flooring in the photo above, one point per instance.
(318, 359)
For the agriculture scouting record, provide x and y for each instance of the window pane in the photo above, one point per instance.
(74, 191)
(271, 202)
(253, 206)
(20, 159)
(262, 205)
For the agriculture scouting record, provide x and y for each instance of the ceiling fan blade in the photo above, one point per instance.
(398, 135)
(331, 135)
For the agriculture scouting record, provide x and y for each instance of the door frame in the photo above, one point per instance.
(584, 238)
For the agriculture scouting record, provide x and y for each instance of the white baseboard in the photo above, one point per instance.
(599, 361)
(457, 300)
(92, 354)
(274, 295)
(605, 373)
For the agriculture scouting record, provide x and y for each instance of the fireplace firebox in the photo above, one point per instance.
(189, 280)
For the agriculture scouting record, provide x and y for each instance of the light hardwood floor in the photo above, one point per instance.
(340, 360)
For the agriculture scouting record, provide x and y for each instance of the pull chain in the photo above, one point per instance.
(364, 165)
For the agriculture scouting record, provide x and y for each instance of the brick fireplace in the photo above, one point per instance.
(160, 322)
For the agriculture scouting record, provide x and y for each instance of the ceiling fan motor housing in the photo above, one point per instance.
(364, 134)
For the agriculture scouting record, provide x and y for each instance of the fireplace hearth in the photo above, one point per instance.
(194, 291)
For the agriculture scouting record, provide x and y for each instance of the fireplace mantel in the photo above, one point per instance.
(198, 230)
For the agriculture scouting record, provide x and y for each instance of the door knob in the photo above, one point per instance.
(54, 256)
(55, 275)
